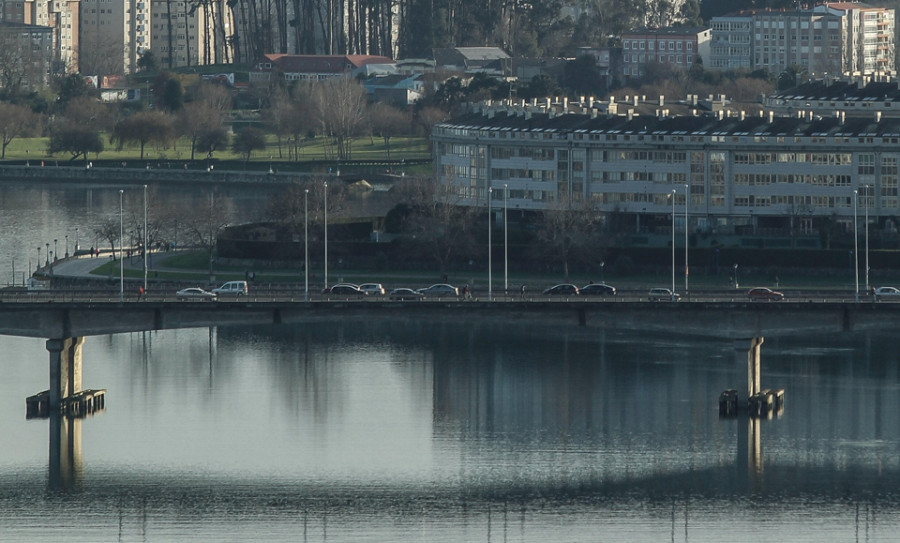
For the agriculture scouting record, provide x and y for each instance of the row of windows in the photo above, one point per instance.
(641, 45)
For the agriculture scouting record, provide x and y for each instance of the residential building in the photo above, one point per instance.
(31, 47)
(113, 35)
(830, 39)
(471, 60)
(61, 16)
(677, 47)
(316, 67)
(853, 97)
(743, 172)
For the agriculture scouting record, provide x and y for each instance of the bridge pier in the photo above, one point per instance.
(753, 385)
(65, 369)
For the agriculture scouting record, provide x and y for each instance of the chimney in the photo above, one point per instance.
(565, 108)
(842, 117)
(662, 100)
(591, 102)
(635, 100)
(743, 114)
(877, 116)
(593, 113)
(771, 117)
(548, 102)
(809, 115)
(581, 99)
(630, 114)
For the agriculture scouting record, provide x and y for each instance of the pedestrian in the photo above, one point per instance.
(523, 291)
(92, 252)
(140, 293)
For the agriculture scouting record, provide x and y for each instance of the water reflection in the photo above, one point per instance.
(406, 431)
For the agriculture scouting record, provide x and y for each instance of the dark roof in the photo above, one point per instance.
(324, 63)
(842, 90)
(687, 125)
(669, 30)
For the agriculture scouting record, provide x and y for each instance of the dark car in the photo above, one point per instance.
(439, 291)
(763, 293)
(348, 291)
(564, 289)
(405, 294)
(597, 289)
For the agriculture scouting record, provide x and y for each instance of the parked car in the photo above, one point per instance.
(763, 293)
(232, 288)
(439, 291)
(194, 293)
(372, 289)
(663, 294)
(597, 289)
(887, 293)
(327, 290)
(564, 289)
(346, 290)
(405, 294)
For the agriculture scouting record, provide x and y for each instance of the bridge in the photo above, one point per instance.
(65, 324)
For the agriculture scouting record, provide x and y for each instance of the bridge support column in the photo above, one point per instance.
(65, 369)
(753, 384)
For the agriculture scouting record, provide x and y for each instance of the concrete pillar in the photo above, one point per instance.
(65, 369)
(753, 384)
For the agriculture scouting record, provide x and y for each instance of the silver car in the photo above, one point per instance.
(439, 291)
(372, 289)
(194, 293)
(887, 293)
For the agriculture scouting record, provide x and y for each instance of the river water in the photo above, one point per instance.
(446, 431)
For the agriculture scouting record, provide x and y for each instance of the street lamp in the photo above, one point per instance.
(867, 238)
(121, 242)
(856, 243)
(602, 265)
(55, 247)
(76, 239)
(673, 244)
(38, 263)
(306, 244)
(146, 249)
(67, 245)
(47, 254)
(505, 239)
(326, 234)
(490, 281)
(686, 198)
(736, 284)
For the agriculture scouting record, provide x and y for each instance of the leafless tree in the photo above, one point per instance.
(568, 232)
(143, 128)
(16, 120)
(21, 65)
(339, 107)
(387, 121)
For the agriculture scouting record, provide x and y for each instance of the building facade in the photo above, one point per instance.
(831, 39)
(738, 171)
(678, 47)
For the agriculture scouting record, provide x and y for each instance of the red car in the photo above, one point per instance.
(763, 293)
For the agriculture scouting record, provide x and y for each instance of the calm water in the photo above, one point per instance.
(430, 431)
(354, 431)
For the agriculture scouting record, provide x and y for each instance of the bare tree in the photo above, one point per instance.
(143, 128)
(205, 221)
(22, 66)
(387, 121)
(108, 230)
(568, 231)
(15, 120)
(339, 106)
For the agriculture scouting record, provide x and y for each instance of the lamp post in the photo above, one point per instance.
(67, 245)
(76, 239)
(505, 239)
(490, 280)
(47, 255)
(673, 244)
(602, 265)
(121, 242)
(867, 238)
(146, 249)
(856, 243)
(687, 196)
(55, 248)
(326, 234)
(736, 284)
(38, 263)
(306, 244)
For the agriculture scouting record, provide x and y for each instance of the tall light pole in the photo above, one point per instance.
(505, 239)
(490, 282)
(67, 245)
(736, 284)
(326, 234)
(37, 264)
(867, 238)
(855, 243)
(121, 242)
(687, 197)
(55, 247)
(76, 239)
(47, 254)
(306, 244)
(673, 244)
(146, 249)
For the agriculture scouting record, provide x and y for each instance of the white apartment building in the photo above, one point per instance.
(760, 171)
(831, 39)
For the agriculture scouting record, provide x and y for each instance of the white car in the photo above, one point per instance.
(887, 293)
(663, 295)
(372, 289)
(194, 293)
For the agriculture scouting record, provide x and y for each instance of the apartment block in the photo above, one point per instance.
(677, 47)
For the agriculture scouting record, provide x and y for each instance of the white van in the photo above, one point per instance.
(232, 288)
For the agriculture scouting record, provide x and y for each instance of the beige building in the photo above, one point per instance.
(113, 35)
(192, 40)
